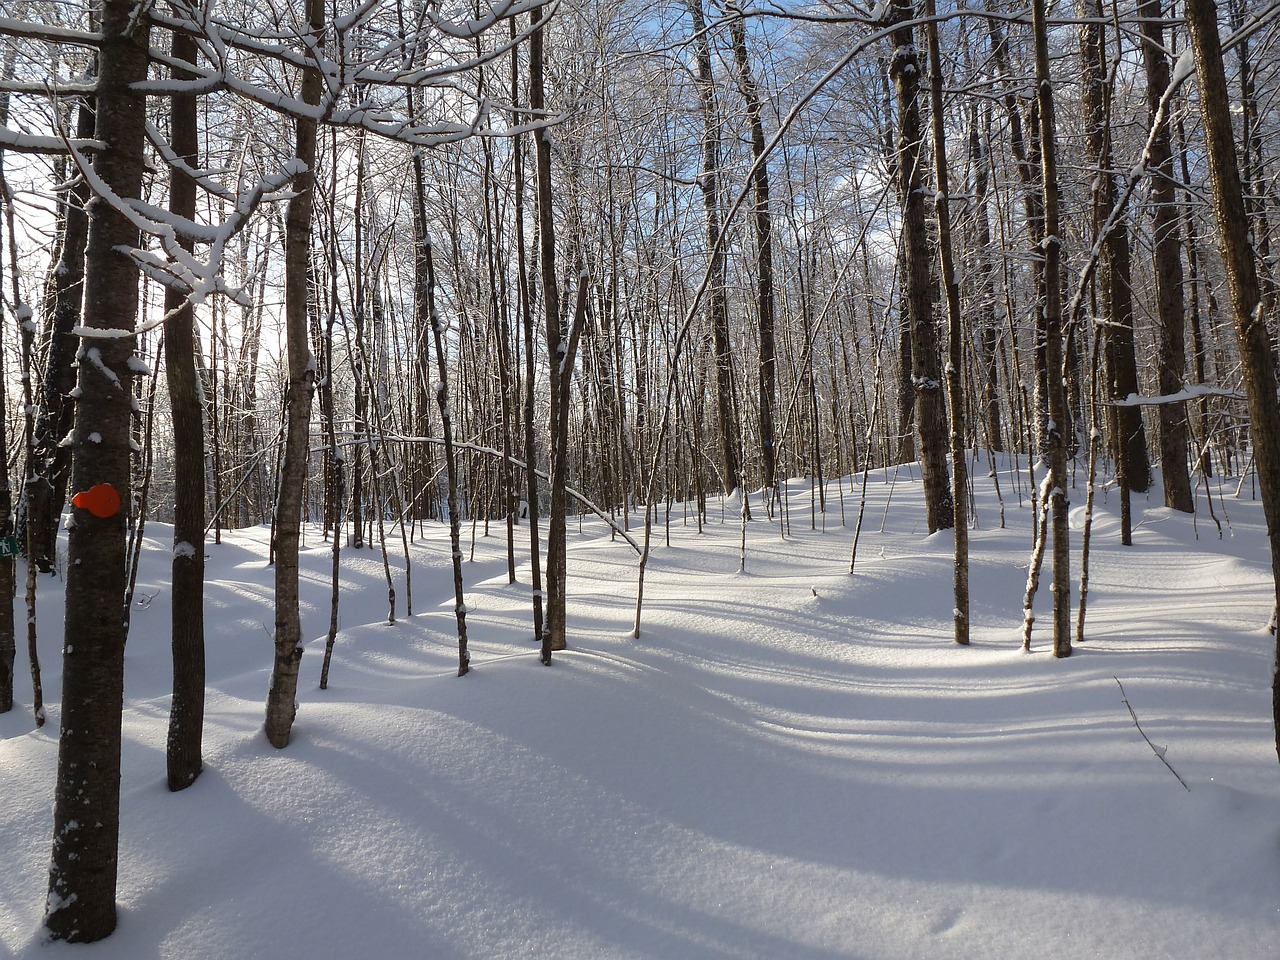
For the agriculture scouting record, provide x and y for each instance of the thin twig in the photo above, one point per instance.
(1158, 751)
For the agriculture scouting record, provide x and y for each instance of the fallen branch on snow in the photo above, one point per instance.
(1158, 751)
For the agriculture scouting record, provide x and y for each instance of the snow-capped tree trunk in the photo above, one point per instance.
(281, 697)
(86, 819)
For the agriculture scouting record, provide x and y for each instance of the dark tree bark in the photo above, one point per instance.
(1024, 144)
(46, 484)
(768, 386)
(527, 324)
(553, 627)
(86, 819)
(988, 330)
(8, 633)
(1051, 311)
(1170, 303)
(1247, 306)
(427, 305)
(955, 354)
(355, 354)
(717, 299)
(186, 711)
(281, 696)
(1128, 435)
(926, 373)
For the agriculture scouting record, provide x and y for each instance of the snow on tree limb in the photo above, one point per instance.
(1192, 392)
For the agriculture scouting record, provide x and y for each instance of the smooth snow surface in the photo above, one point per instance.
(791, 763)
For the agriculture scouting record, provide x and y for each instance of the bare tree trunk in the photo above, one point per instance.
(1128, 436)
(526, 320)
(355, 354)
(1247, 305)
(506, 378)
(8, 632)
(46, 483)
(1051, 301)
(768, 375)
(988, 331)
(926, 375)
(1170, 302)
(1024, 144)
(186, 711)
(86, 820)
(335, 487)
(717, 303)
(281, 697)
(426, 291)
(553, 627)
(955, 353)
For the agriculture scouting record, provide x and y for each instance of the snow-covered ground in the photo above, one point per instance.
(791, 762)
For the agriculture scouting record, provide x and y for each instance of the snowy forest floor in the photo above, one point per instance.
(791, 763)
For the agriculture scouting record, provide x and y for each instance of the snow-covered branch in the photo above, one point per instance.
(1192, 392)
(19, 142)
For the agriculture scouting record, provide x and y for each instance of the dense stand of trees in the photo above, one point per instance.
(532, 260)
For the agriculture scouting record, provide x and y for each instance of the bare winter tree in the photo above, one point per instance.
(1248, 308)
(1167, 257)
(926, 373)
(763, 222)
(1128, 437)
(717, 303)
(82, 873)
(186, 712)
(281, 706)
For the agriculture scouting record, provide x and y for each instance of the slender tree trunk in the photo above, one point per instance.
(355, 353)
(553, 627)
(1024, 144)
(988, 329)
(46, 484)
(955, 353)
(186, 711)
(1247, 306)
(86, 819)
(527, 324)
(427, 290)
(1128, 435)
(8, 631)
(768, 375)
(1051, 307)
(717, 302)
(1170, 303)
(281, 697)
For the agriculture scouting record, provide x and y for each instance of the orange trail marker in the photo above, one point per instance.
(102, 501)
